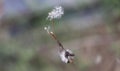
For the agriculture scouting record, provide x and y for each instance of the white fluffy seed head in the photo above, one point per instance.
(56, 13)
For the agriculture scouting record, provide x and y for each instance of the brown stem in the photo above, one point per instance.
(58, 42)
(54, 37)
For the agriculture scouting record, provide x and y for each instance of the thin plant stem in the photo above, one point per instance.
(58, 42)
(54, 36)
(53, 25)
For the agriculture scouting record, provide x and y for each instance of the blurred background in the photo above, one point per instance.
(90, 28)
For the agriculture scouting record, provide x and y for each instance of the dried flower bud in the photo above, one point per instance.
(67, 56)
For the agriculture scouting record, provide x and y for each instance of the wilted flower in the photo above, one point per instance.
(67, 56)
(56, 13)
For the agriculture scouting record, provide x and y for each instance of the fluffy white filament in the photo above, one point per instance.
(56, 13)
